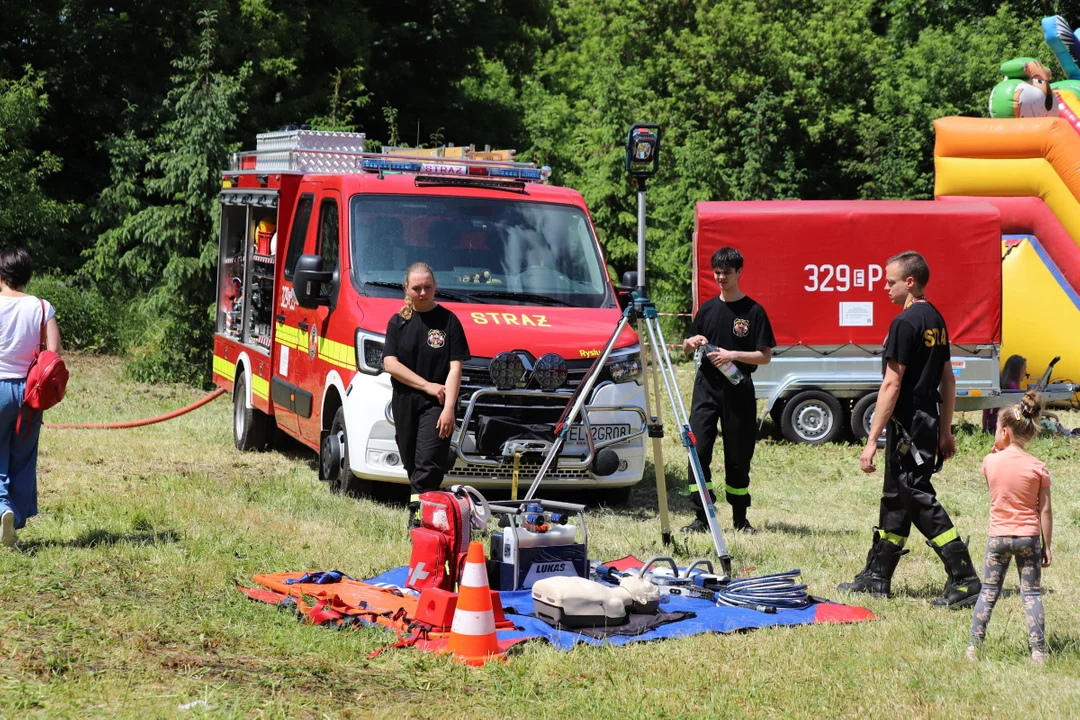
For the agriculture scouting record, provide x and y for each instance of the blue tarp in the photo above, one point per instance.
(710, 618)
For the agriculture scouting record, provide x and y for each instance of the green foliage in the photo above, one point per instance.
(816, 99)
(88, 321)
(28, 215)
(755, 102)
(340, 115)
(947, 71)
(161, 212)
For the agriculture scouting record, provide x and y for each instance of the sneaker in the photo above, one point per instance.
(1038, 658)
(972, 654)
(698, 525)
(7, 529)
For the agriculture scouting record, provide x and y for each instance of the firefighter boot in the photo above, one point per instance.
(963, 586)
(413, 509)
(876, 578)
(700, 524)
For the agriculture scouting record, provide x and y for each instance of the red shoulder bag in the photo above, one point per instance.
(46, 381)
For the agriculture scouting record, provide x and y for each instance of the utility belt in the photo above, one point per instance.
(921, 442)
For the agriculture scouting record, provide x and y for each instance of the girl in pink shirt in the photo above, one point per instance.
(1020, 515)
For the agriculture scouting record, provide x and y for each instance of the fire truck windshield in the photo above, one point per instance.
(489, 250)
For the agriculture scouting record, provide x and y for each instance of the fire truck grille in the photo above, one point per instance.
(523, 408)
(526, 472)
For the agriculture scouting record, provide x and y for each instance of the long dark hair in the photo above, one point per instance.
(1010, 374)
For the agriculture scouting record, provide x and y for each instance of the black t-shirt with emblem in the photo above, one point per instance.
(426, 343)
(918, 340)
(741, 325)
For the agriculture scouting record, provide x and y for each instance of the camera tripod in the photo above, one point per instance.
(642, 148)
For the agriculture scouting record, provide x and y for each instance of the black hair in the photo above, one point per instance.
(727, 257)
(15, 267)
(912, 265)
(1011, 372)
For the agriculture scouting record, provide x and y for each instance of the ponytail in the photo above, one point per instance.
(407, 309)
(1022, 419)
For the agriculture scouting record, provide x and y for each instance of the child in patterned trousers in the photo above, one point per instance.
(1021, 524)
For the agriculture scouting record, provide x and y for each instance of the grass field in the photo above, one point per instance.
(121, 602)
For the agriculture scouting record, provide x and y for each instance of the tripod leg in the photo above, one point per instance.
(575, 405)
(514, 481)
(678, 409)
(656, 432)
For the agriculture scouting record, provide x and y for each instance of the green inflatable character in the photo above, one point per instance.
(1025, 91)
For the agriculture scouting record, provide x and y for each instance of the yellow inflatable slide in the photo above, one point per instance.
(1030, 169)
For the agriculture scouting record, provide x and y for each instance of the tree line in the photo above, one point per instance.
(116, 118)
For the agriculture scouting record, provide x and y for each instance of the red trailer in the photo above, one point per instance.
(817, 267)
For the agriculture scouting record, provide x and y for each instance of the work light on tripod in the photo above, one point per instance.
(643, 150)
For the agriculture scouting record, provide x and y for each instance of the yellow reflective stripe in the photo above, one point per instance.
(693, 484)
(337, 353)
(260, 387)
(289, 336)
(224, 368)
(736, 491)
(895, 539)
(946, 537)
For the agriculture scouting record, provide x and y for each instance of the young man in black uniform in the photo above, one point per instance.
(915, 408)
(740, 330)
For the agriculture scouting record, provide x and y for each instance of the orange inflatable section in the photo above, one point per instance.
(1013, 138)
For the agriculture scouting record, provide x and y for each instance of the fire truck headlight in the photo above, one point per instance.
(550, 371)
(625, 365)
(507, 371)
(369, 352)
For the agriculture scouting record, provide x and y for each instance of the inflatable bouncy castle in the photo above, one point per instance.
(1025, 160)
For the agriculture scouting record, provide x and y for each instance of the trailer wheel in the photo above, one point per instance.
(812, 417)
(334, 466)
(251, 426)
(862, 416)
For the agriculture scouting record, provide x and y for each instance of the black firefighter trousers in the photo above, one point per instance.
(735, 407)
(423, 453)
(908, 497)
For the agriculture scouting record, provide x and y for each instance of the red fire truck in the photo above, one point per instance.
(316, 235)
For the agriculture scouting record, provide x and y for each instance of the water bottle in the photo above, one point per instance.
(731, 372)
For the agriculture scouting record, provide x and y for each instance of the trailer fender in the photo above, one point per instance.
(821, 382)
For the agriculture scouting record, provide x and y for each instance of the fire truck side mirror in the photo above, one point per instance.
(308, 280)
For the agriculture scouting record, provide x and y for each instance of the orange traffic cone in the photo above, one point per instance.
(472, 634)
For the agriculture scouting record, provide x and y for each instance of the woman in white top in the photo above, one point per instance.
(20, 336)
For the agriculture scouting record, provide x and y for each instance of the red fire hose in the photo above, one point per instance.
(139, 423)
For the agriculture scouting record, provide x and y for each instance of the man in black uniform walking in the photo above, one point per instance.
(740, 331)
(915, 408)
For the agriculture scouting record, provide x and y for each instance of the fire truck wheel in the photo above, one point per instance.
(251, 426)
(862, 415)
(334, 461)
(812, 417)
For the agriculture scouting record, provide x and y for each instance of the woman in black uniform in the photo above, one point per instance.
(425, 347)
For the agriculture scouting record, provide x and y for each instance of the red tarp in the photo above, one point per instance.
(817, 267)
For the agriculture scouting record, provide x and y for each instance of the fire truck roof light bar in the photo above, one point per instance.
(345, 161)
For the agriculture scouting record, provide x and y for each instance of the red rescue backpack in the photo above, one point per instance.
(46, 381)
(441, 542)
